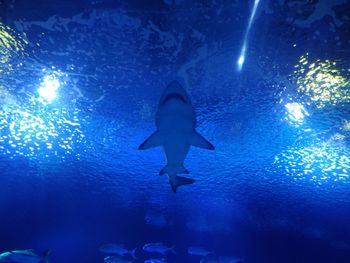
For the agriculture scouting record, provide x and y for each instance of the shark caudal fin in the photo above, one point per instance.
(172, 169)
(198, 140)
(154, 140)
(176, 181)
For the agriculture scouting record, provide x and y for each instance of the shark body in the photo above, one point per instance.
(176, 132)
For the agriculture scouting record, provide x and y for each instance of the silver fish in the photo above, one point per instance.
(115, 249)
(199, 251)
(158, 248)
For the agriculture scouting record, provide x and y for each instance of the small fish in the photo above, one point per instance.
(199, 251)
(158, 248)
(155, 260)
(115, 249)
(116, 259)
(24, 256)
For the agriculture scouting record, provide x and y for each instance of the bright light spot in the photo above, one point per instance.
(29, 128)
(48, 88)
(241, 58)
(296, 113)
(240, 62)
(322, 82)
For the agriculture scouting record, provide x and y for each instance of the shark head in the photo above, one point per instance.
(174, 91)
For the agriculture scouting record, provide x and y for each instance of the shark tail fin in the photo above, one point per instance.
(176, 181)
(198, 140)
(46, 255)
(179, 169)
(133, 253)
(154, 140)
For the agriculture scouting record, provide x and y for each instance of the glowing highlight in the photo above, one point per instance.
(296, 113)
(322, 82)
(242, 54)
(48, 88)
(11, 45)
(31, 129)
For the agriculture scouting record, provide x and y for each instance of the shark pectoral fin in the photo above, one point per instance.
(176, 181)
(198, 140)
(152, 141)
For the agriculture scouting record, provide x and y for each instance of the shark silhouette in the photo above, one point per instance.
(176, 132)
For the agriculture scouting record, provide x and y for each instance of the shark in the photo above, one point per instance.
(175, 133)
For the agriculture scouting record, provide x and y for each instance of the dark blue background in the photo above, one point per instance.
(115, 58)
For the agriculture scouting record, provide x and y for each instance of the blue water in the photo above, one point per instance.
(79, 87)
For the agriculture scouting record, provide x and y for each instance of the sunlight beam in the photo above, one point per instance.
(242, 54)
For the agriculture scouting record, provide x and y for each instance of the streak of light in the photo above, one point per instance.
(242, 54)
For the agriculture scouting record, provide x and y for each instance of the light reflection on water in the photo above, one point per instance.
(32, 131)
(319, 162)
(29, 125)
(11, 44)
(320, 151)
(48, 88)
(46, 124)
(322, 81)
(296, 113)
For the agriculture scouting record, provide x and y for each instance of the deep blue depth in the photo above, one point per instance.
(79, 87)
